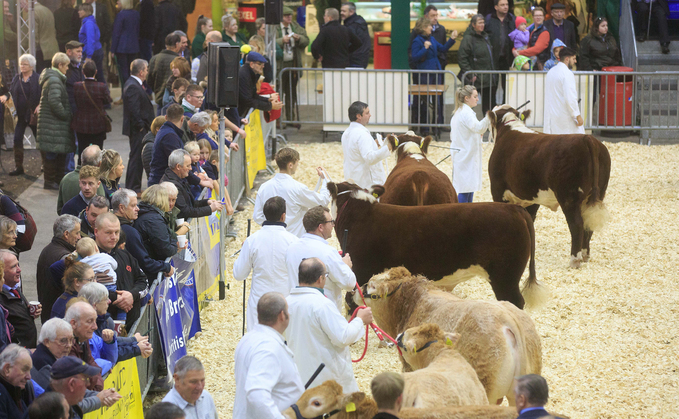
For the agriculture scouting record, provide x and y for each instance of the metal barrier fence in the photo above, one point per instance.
(235, 170)
(397, 98)
(615, 101)
(628, 44)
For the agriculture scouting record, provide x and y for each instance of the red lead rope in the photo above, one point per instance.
(379, 332)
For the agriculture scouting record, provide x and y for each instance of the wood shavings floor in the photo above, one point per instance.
(610, 331)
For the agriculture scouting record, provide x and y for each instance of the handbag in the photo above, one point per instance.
(107, 119)
(34, 116)
(24, 241)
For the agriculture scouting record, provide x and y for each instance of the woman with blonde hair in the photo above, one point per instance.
(8, 233)
(230, 32)
(110, 171)
(151, 223)
(465, 143)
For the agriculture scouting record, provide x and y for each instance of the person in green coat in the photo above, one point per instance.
(476, 53)
(292, 39)
(230, 32)
(203, 26)
(55, 137)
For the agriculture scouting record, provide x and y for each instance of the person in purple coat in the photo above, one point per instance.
(125, 38)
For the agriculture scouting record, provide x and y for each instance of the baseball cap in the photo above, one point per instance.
(255, 57)
(70, 366)
(74, 44)
(558, 6)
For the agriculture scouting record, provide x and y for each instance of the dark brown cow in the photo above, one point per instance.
(533, 169)
(415, 180)
(449, 243)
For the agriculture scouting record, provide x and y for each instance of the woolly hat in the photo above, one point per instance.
(519, 20)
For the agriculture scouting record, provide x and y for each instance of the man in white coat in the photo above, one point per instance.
(319, 224)
(562, 113)
(267, 379)
(363, 154)
(264, 253)
(318, 333)
(298, 197)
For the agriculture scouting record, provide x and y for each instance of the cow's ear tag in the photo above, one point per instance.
(395, 142)
(350, 407)
(422, 144)
(523, 117)
(449, 342)
(414, 349)
(375, 195)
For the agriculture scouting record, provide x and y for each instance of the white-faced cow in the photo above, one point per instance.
(415, 180)
(532, 169)
(449, 243)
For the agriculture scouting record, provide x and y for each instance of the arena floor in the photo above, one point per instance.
(610, 331)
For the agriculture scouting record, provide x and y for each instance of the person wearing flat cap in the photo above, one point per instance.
(69, 376)
(248, 75)
(292, 38)
(561, 28)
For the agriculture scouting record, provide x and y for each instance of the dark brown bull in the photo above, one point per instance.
(532, 169)
(415, 180)
(449, 243)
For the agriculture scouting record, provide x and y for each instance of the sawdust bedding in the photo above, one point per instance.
(609, 332)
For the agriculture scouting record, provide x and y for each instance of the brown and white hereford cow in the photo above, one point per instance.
(497, 339)
(415, 180)
(449, 243)
(532, 169)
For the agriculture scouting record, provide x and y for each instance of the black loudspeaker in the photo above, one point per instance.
(273, 10)
(223, 62)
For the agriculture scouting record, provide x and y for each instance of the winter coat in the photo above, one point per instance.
(520, 38)
(90, 36)
(147, 152)
(45, 31)
(135, 246)
(167, 139)
(127, 346)
(104, 354)
(154, 232)
(197, 45)
(91, 97)
(553, 61)
(49, 289)
(188, 206)
(247, 93)
(168, 19)
(297, 51)
(159, 71)
(335, 43)
(359, 27)
(147, 20)
(428, 58)
(14, 401)
(597, 52)
(476, 53)
(73, 75)
(67, 25)
(54, 119)
(33, 93)
(130, 278)
(25, 333)
(570, 33)
(502, 54)
(125, 38)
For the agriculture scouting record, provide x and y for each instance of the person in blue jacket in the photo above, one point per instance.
(125, 38)
(90, 36)
(425, 50)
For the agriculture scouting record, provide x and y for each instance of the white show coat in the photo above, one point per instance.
(264, 253)
(267, 380)
(466, 134)
(561, 102)
(319, 333)
(340, 276)
(362, 157)
(298, 200)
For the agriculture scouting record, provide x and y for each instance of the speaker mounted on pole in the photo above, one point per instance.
(222, 74)
(273, 11)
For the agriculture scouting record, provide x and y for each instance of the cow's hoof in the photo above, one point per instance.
(576, 262)
(585, 256)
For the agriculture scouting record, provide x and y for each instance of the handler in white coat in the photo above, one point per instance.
(318, 333)
(362, 154)
(465, 143)
(562, 113)
(267, 379)
(264, 253)
(298, 197)
(319, 225)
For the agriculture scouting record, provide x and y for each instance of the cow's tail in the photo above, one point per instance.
(534, 293)
(594, 212)
(421, 187)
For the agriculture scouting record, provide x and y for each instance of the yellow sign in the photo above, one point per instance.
(254, 147)
(125, 380)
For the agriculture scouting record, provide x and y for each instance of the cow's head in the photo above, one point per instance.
(323, 399)
(341, 193)
(384, 288)
(506, 116)
(408, 144)
(420, 344)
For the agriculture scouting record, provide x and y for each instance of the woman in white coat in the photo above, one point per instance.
(465, 146)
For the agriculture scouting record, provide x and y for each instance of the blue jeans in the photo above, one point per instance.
(464, 198)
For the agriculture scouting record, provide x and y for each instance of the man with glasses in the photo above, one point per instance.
(561, 28)
(193, 99)
(318, 333)
(83, 319)
(263, 253)
(248, 75)
(319, 224)
(14, 301)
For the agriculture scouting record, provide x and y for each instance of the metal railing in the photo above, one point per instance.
(614, 101)
(235, 171)
(397, 98)
(628, 44)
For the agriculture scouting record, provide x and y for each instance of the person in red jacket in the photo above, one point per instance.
(540, 41)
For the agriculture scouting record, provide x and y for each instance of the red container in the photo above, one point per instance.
(615, 98)
(382, 51)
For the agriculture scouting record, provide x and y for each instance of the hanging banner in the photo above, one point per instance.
(254, 146)
(124, 378)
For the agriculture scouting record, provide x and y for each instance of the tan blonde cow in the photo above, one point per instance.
(441, 376)
(497, 339)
